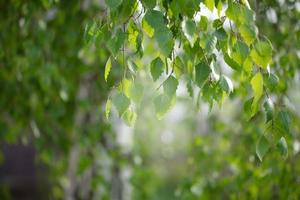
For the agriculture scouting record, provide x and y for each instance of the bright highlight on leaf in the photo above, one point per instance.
(107, 68)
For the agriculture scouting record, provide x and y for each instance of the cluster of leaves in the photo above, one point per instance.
(190, 47)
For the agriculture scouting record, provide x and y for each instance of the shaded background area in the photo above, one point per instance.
(57, 144)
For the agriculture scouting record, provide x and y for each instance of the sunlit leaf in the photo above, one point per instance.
(257, 86)
(107, 68)
(261, 54)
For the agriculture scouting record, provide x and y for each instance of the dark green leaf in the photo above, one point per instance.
(262, 147)
(202, 73)
(156, 68)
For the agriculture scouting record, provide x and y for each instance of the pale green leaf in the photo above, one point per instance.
(121, 102)
(136, 91)
(170, 86)
(178, 67)
(129, 117)
(163, 103)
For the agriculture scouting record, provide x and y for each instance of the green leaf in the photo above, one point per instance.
(170, 86)
(134, 36)
(178, 67)
(129, 117)
(239, 14)
(164, 39)
(203, 23)
(153, 24)
(202, 73)
(149, 3)
(190, 30)
(268, 106)
(210, 4)
(113, 4)
(156, 68)
(257, 87)
(152, 21)
(135, 92)
(163, 103)
(272, 81)
(107, 108)
(250, 109)
(283, 147)
(240, 52)
(283, 121)
(116, 42)
(231, 63)
(261, 54)
(226, 84)
(248, 33)
(211, 43)
(107, 68)
(121, 102)
(262, 147)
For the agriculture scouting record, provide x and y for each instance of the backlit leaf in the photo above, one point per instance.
(121, 102)
(170, 86)
(257, 87)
